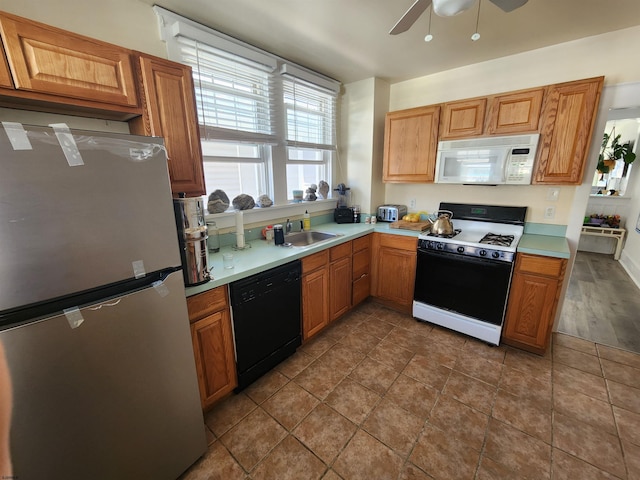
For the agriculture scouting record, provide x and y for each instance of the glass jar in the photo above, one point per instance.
(213, 240)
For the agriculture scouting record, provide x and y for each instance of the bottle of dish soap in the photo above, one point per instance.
(306, 221)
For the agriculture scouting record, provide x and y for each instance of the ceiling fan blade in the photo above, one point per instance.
(410, 16)
(508, 5)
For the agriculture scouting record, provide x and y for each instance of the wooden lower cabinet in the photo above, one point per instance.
(533, 300)
(213, 345)
(394, 270)
(361, 270)
(315, 293)
(340, 274)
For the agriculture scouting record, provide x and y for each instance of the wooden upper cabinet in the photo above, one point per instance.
(463, 119)
(410, 145)
(567, 123)
(517, 112)
(5, 74)
(169, 111)
(47, 60)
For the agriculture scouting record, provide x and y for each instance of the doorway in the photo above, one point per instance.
(602, 300)
(602, 303)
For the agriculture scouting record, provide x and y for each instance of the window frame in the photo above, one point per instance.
(275, 147)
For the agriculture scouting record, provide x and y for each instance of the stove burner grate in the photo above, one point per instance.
(496, 239)
(450, 235)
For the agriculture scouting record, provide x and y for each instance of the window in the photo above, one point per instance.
(267, 126)
(310, 123)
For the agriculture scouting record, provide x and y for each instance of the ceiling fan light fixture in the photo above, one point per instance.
(428, 37)
(449, 8)
(476, 36)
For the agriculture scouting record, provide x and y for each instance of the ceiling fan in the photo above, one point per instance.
(446, 8)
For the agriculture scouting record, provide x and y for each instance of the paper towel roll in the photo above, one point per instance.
(239, 229)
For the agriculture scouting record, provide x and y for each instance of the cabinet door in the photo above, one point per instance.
(315, 302)
(340, 287)
(5, 75)
(170, 112)
(463, 119)
(215, 358)
(531, 305)
(48, 60)
(361, 274)
(533, 300)
(517, 112)
(567, 123)
(410, 145)
(394, 270)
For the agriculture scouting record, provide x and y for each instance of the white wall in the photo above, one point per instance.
(127, 23)
(565, 62)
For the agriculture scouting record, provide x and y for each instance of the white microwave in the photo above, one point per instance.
(487, 160)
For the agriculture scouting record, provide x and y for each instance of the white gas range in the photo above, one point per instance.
(463, 279)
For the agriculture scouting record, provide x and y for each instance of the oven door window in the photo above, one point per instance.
(474, 287)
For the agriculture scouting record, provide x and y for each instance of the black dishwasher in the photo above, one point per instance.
(266, 320)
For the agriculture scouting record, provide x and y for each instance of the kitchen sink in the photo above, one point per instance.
(304, 239)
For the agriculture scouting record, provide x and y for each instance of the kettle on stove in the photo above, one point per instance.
(442, 225)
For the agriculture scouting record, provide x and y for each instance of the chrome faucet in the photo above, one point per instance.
(288, 227)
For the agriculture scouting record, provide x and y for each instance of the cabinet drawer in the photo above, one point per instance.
(340, 251)
(206, 303)
(548, 266)
(315, 261)
(400, 242)
(361, 243)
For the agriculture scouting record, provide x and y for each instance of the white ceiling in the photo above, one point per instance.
(349, 41)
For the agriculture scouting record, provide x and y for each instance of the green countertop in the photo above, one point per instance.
(548, 245)
(262, 256)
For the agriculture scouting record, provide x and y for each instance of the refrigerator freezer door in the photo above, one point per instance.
(65, 229)
(115, 397)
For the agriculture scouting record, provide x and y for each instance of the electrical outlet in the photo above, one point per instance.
(553, 194)
(550, 212)
(412, 203)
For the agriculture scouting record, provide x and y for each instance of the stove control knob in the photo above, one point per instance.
(495, 254)
(483, 253)
(440, 246)
(460, 249)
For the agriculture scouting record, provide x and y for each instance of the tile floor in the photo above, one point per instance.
(379, 395)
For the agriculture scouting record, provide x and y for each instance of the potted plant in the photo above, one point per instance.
(610, 153)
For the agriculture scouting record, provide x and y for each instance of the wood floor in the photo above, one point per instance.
(602, 303)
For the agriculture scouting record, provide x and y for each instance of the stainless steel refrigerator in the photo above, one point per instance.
(93, 313)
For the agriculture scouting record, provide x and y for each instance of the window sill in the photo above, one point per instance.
(273, 214)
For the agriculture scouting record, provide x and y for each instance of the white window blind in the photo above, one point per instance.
(310, 115)
(267, 125)
(234, 94)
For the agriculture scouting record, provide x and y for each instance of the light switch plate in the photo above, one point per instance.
(553, 194)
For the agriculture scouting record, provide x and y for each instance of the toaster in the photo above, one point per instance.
(391, 213)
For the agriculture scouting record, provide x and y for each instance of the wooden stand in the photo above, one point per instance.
(617, 233)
